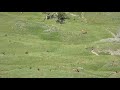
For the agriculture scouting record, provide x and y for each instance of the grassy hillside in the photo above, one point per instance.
(33, 48)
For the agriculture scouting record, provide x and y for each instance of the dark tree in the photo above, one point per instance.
(61, 17)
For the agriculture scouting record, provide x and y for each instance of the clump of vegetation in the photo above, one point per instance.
(30, 67)
(6, 35)
(26, 52)
(3, 53)
(38, 69)
(50, 15)
(61, 17)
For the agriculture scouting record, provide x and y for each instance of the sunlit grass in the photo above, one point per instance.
(32, 48)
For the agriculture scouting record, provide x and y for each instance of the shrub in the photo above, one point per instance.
(61, 17)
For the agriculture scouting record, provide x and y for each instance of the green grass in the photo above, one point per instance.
(56, 52)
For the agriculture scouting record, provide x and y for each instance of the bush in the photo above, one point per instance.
(61, 17)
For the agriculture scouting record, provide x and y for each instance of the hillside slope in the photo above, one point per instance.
(33, 48)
